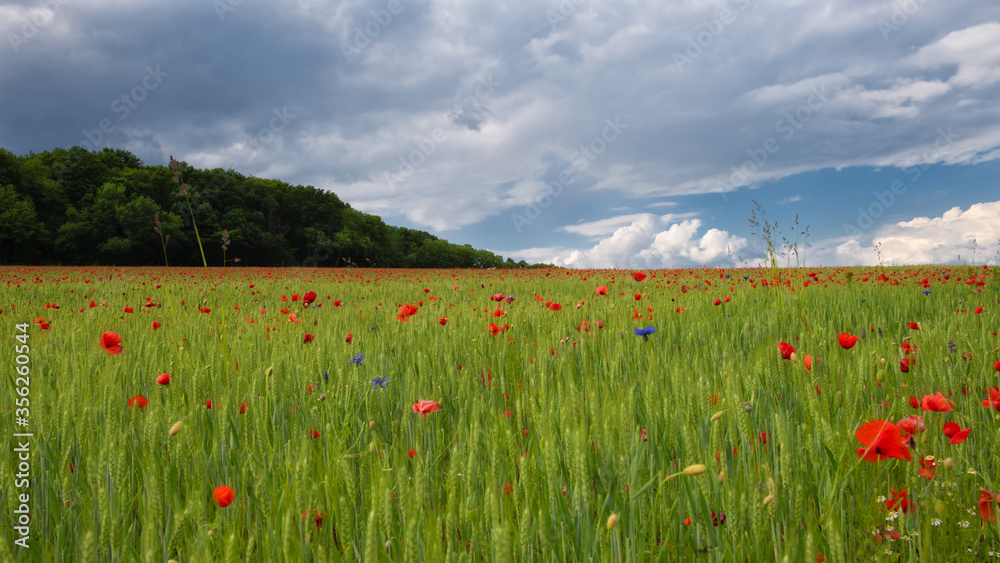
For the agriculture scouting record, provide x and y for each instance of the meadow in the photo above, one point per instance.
(198, 414)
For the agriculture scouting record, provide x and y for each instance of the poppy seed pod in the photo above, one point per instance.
(696, 469)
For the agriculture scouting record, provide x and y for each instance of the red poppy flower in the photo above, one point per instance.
(996, 365)
(786, 350)
(988, 505)
(138, 401)
(915, 402)
(638, 296)
(717, 301)
(955, 433)
(927, 466)
(307, 338)
(913, 424)
(602, 290)
(908, 348)
(112, 343)
(638, 276)
(423, 407)
(494, 329)
(128, 309)
(937, 403)
(905, 364)
(348, 338)
(412, 453)
(847, 340)
(163, 379)
(808, 362)
(406, 311)
(913, 326)
(882, 440)
(308, 298)
(443, 321)
(979, 309)
(156, 325)
(223, 496)
(336, 303)
(993, 402)
(314, 434)
(899, 499)
(243, 407)
(208, 404)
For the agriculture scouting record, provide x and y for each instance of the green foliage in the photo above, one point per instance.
(543, 433)
(78, 207)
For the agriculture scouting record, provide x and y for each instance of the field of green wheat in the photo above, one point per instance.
(503, 415)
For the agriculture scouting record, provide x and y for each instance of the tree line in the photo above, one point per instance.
(79, 207)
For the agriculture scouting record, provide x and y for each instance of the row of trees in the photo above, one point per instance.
(77, 207)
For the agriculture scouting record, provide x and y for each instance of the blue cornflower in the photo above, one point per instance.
(357, 359)
(326, 377)
(926, 292)
(645, 332)
(380, 382)
(510, 299)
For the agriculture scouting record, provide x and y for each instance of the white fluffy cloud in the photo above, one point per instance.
(947, 239)
(650, 241)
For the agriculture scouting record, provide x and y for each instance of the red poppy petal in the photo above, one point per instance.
(960, 436)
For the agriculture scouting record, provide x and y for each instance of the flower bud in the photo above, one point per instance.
(612, 521)
(176, 428)
(949, 464)
(371, 425)
(718, 415)
(768, 499)
(696, 469)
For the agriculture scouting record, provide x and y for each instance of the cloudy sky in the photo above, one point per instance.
(630, 133)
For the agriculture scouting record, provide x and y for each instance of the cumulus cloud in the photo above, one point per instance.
(946, 239)
(650, 241)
